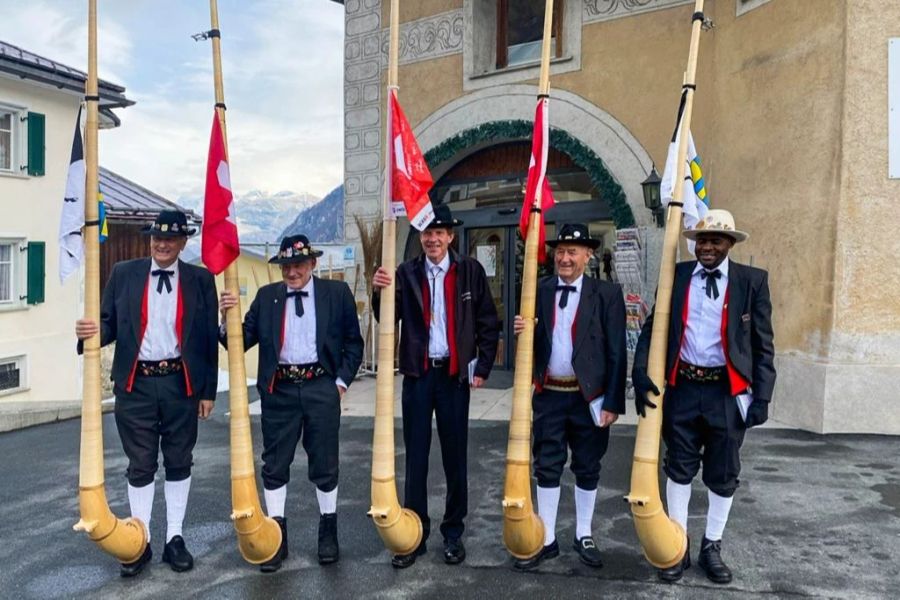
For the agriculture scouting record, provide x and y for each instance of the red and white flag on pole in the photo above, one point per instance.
(537, 176)
(219, 245)
(410, 177)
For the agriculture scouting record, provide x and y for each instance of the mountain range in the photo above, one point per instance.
(322, 222)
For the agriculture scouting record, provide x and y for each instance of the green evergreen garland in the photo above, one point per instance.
(581, 155)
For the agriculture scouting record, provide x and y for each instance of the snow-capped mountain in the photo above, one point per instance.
(321, 222)
(261, 215)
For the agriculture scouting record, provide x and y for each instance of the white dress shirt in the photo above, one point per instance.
(703, 330)
(560, 364)
(438, 346)
(160, 338)
(299, 346)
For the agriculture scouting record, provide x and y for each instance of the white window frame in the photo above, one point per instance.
(21, 362)
(19, 273)
(745, 6)
(17, 139)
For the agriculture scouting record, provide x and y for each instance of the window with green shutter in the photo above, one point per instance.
(36, 271)
(36, 151)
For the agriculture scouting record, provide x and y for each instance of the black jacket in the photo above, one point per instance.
(599, 355)
(338, 342)
(477, 328)
(120, 322)
(750, 348)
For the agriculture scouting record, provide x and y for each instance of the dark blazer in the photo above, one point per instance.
(599, 355)
(751, 348)
(120, 322)
(477, 328)
(338, 341)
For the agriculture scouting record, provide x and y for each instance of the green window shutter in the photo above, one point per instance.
(36, 139)
(36, 262)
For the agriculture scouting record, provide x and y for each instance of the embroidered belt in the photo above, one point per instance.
(299, 373)
(159, 368)
(561, 384)
(701, 374)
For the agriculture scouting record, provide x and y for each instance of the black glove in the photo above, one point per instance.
(757, 414)
(642, 384)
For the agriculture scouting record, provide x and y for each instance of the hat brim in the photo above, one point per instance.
(444, 224)
(592, 244)
(188, 232)
(737, 236)
(277, 260)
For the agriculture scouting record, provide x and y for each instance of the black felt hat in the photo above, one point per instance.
(170, 223)
(574, 233)
(443, 218)
(294, 249)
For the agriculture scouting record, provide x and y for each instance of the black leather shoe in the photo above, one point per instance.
(177, 555)
(454, 551)
(710, 561)
(546, 553)
(274, 563)
(133, 568)
(673, 574)
(401, 561)
(329, 552)
(587, 552)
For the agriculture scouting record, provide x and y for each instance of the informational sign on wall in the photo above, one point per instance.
(894, 108)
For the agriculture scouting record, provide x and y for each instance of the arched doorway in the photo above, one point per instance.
(485, 189)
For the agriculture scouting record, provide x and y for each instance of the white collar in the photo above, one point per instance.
(723, 268)
(576, 283)
(156, 267)
(444, 264)
(306, 288)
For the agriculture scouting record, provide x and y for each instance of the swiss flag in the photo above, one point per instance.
(410, 177)
(537, 171)
(219, 245)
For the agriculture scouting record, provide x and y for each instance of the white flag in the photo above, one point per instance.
(71, 243)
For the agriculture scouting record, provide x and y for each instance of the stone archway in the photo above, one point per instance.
(578, 128)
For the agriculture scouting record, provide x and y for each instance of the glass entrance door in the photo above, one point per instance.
(490, 247)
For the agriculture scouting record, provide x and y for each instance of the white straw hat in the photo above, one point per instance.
(717, 221)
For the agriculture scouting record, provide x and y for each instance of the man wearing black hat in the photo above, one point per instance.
(579, 373)
(161, 313)
(310, 349)
(449, 320)
(720, 376)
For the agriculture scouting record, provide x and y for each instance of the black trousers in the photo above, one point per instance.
(702, 424)
(562, 422)
(157, 414)
(448, 399)
(310, 412)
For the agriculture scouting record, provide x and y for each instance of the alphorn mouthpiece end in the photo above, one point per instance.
(86, 526)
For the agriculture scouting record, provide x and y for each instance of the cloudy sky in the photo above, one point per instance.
(283, 73)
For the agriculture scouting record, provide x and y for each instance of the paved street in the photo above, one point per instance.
(816, 516)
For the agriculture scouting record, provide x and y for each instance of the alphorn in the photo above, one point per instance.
(125, 539)
(523, 530)
(664, 542)
(259, 536)
(400, 528)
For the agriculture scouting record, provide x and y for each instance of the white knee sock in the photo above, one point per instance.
(275, 501)
(327, 501)
(548, 503)
(717, 515)
(140, 499)
(584, 511)
(678, 497)
(176, 506)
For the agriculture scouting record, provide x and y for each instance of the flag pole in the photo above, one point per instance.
(259, 536)
(664, 542)
(523, 530)
(400, 528)
(124, 539)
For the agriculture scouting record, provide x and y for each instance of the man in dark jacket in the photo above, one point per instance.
(449, 321)
(161, 313)
(580, 363)
(720, 374)
(310, 349)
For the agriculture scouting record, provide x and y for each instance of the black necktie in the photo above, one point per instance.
(298, 302)
(712, 288)
(564, 298)
(163, 280)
